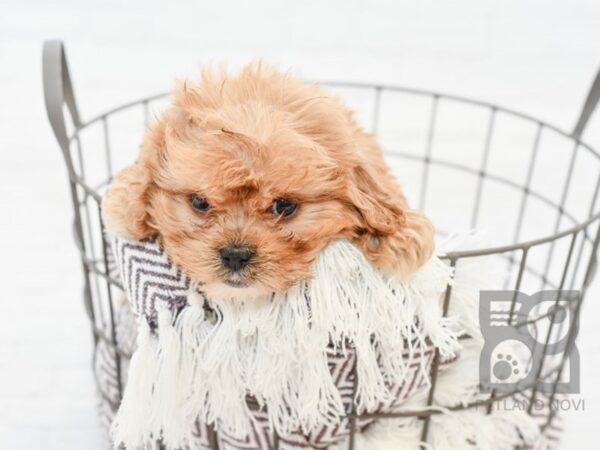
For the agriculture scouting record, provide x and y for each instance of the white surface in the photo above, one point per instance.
(536, 56)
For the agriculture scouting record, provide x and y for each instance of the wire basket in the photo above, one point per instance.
(532, 186)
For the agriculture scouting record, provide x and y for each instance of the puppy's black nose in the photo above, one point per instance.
(235, 257)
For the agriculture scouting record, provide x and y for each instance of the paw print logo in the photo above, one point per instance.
(506, 368)
(523, 334)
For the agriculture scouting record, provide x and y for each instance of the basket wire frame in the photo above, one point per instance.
(578, 262)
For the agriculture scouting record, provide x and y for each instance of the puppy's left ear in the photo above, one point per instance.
(394, 237)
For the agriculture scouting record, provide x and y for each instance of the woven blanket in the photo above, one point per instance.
(350, 340)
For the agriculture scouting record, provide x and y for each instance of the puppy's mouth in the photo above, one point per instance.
(236, 281)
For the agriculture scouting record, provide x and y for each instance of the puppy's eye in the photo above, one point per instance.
(199, 203)
(284, 208)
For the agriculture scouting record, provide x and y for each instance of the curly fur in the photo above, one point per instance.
(241, 142)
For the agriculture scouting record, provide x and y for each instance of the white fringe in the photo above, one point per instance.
(166, 411)
(275, 348)
(131, 424)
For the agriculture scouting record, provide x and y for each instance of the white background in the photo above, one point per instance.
(535, 56)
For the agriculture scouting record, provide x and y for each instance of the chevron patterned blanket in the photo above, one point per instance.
(293, 364)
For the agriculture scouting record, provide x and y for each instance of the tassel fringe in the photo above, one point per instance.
(276, 349)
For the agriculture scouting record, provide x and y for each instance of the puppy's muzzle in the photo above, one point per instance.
(235, 257)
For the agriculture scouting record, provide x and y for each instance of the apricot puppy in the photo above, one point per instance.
(246, 178)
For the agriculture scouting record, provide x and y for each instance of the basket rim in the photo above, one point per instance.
(524, 245)
(380, 87)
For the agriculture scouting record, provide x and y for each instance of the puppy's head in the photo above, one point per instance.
(246, 179)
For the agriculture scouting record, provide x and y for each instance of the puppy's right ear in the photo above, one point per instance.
(125, 209)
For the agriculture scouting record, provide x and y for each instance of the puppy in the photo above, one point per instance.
(246, 178)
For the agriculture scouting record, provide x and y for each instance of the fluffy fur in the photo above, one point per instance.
(241, 142)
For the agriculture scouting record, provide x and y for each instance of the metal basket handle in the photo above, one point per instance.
(587, 111)
(588, 108)
(58, 91)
